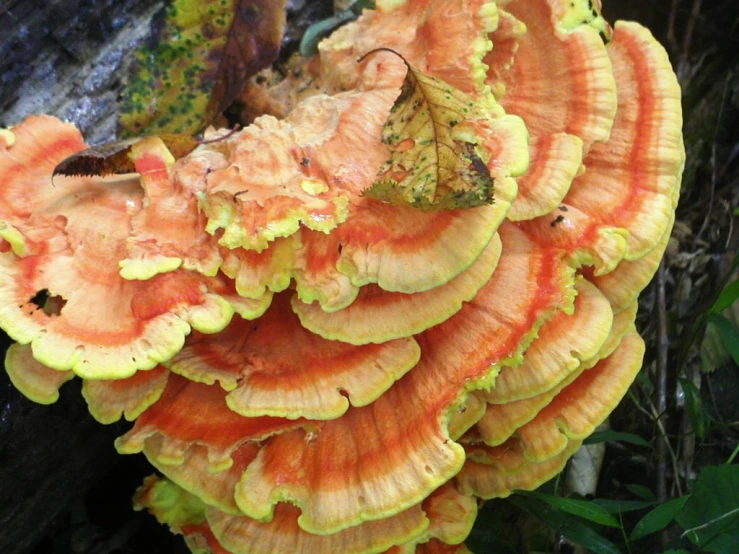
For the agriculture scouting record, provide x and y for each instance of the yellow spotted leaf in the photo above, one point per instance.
(435, 162)
(205, 53)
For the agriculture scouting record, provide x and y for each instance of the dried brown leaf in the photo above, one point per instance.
(114, 158)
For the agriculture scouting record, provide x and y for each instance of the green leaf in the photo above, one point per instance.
(715, 344)
(728, 332)
(360, 5)
(585, 509)
(492, 531)
(614, 436)
(710, 518)
(566, 525)
(727, 297)
(641, 491)
(695, 407)
(488, 541)
(435, 161)
(724, 543)
(644, 383)
(659, 518)
(203, 57)
(321, 29)
(713, 351)
(619, 506)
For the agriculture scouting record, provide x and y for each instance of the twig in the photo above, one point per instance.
(655, 416)
(672, 455)
(701, 321)
(663, 346)
(688, 38)
(639, 407)
(717, 410)
(733, 455)
(695, 13)
(4, 9)
(668, 447)
(713, 161)
(671, 35)
(686, 449)
(707, 218)
(730, 233)
(625, 537)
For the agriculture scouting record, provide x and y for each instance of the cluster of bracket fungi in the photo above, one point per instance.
(313, 369)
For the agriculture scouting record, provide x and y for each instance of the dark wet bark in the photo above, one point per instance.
(63, 488)
(65, 58)
(50, 455)
(68, 57)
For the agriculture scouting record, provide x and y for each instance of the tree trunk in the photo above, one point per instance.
(67, 58)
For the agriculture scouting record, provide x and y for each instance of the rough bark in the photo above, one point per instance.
(67, 58)
(61, 57)
(59, 472)
(50, 456)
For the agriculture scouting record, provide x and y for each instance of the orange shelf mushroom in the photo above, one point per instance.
(333, 333)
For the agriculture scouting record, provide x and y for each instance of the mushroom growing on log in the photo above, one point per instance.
(334, 328)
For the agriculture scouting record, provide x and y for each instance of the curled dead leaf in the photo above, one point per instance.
(114, 158)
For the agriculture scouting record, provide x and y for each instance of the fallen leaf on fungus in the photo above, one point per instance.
(435, 161)
(114, 158)
(202, 60)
